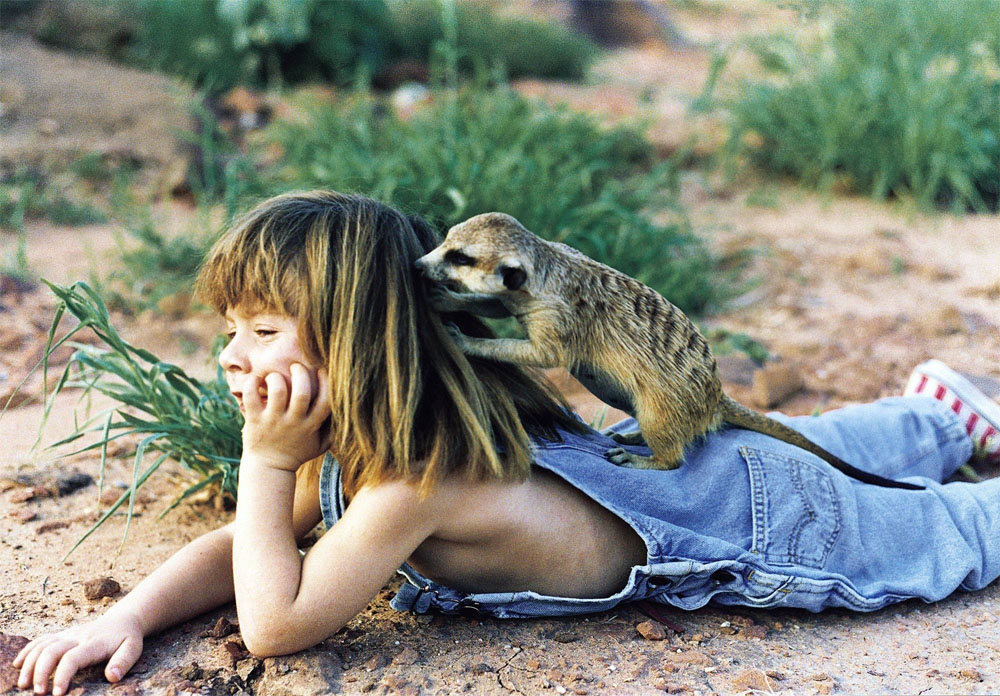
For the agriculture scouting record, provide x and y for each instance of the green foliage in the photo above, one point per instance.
(29, 194)
(559, 173)
(518, 46)
(176, 416)
(153, 266)
(902, 98)
(218, 44)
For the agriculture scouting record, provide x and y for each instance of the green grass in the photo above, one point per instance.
(561, 174)
(901, 99)
(175, 416)
(28, 194)
(260, 43)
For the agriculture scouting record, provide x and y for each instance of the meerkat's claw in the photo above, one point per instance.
(632, 438)
(617, 455)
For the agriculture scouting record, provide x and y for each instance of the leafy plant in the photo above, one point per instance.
(28, 193)
(177, 417)
(484, 40)
(902, 98)
(477, 150)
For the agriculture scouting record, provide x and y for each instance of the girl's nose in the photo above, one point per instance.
(232, 358)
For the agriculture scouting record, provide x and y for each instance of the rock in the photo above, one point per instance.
(71, 481)
(565, 637)
(222, 628)
(736, 368)
(98, 588)
(235, 650)
(971, 674)
(407, 656)
(481, 668)
(651, 630)
(10, 646)
(945, 320)
(51, 526)
(774, 383)
(752, 679)
(690, 657)
(193, 672)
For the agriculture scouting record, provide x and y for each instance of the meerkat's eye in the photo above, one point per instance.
(457, 258)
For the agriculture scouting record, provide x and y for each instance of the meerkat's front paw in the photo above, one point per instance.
(619, 456)
(632, 438)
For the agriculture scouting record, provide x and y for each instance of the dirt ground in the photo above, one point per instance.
(845, 293)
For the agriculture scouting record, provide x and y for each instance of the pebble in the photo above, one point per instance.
(651, 630)
(98, 588)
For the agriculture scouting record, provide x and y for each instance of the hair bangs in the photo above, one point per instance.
(255, 268)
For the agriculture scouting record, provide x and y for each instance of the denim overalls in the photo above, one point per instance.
(749, 520)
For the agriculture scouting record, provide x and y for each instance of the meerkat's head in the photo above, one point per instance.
(490, 253)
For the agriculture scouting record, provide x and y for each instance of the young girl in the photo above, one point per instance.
(475, 481)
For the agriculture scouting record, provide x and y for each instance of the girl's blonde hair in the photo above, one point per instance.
(406, 403)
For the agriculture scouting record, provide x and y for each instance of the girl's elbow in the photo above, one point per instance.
(280, 638)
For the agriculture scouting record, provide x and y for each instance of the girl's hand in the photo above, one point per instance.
(61, 655)
(291, 428)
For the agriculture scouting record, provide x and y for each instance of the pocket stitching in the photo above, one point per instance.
(760, 510)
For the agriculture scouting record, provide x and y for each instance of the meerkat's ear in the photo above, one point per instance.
(513, 276)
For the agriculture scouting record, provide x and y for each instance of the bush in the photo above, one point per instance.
(483, 40)
(902, 98)
(559, 173)
(218, 44)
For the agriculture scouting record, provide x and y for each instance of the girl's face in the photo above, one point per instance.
(259, 343)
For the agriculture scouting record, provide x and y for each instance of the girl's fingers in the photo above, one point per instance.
(34, 649)
(70, 664)
(301, 396)
(125, 656)
(47, 661)
(321, 405)
(252, 401)
(277, 392)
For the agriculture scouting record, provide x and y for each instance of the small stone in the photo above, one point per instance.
(482, 668)
(22, 495)
(971, 674)
(945, 320)
(376, 662)
(235, 650)
(193, 672)
(532, 664)
(752, 679)
(51, 525)
(99, 588)
(774, 383)
(755, 631)
(407, 656)
(821, 676)
(565, 637)
(24, 515)
(222, 628)
(72, 481)
(825, 687)
(651, 630)
(691, 657)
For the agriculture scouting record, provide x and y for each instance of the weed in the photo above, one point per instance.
(28, 194)
(479, 150)
(902, 98)
(178, 417)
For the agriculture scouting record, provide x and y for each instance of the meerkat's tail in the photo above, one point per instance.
(737, 414)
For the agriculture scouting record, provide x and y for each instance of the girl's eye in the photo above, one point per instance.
(264, 333)
(230, 335)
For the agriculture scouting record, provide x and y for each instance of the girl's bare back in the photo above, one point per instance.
(542, 535)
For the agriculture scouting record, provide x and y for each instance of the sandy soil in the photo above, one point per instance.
(848, 293)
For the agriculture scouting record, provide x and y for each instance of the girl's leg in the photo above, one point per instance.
(894, 437)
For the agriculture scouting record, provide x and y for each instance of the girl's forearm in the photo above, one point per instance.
(267, 565)
(194, 580)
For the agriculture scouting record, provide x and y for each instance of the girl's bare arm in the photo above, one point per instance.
(194, 580)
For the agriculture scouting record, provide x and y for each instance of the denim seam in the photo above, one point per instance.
(760, 514)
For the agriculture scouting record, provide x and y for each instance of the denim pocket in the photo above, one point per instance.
(796, 513)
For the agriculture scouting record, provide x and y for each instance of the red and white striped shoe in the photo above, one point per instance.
(980, 414)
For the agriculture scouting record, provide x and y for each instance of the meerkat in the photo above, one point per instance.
(621, 339)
